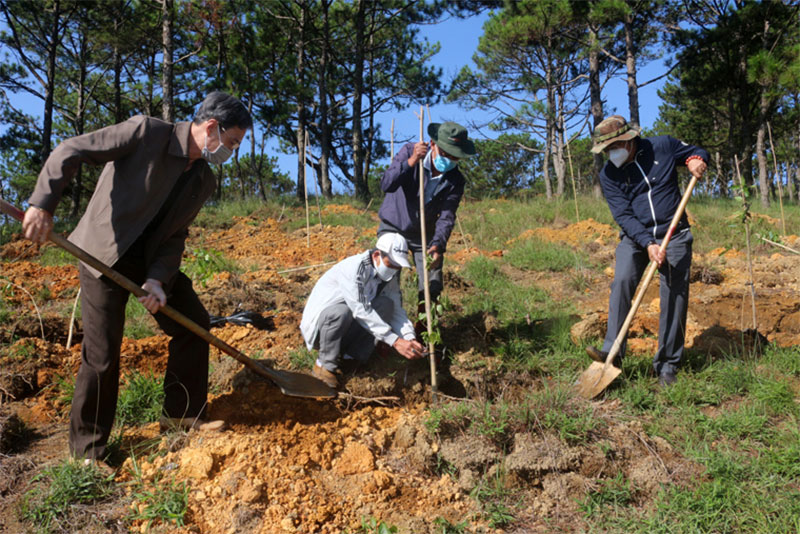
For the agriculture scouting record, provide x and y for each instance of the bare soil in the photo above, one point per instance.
(296, 465)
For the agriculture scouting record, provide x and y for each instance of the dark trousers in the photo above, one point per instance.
(339, 333)
(415, 246)
(631, 262)
(97, 384)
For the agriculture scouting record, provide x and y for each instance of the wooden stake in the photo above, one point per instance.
(747, 236)
(316, 187)
(391, 133)
(574, 191)
(426, 285)
(779, 245)
(72, 319)
(777, 178)
(305, 187)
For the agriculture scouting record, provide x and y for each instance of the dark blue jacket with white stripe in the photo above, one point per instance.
(643, 195)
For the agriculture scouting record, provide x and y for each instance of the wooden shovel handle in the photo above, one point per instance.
(128, 284)
(648, 276)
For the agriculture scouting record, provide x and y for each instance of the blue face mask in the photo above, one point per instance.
(444, 164)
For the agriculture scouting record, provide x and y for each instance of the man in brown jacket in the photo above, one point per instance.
(156, 179)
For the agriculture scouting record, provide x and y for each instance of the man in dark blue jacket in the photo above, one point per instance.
(444, 187)
(640, 183)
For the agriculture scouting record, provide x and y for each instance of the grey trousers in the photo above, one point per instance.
(339, 333)
(415, 246)
(631, 262)
(94, 401)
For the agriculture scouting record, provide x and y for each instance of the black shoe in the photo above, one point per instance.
(667, 378)
(601, 355)
(596, 354)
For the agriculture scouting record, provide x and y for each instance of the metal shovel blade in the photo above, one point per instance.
(595, 379)
(293, 384)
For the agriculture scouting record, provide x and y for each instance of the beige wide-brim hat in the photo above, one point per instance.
(612, 129)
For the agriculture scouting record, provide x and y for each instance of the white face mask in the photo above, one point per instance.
(384, 273)
(618, 156)
(220, 154)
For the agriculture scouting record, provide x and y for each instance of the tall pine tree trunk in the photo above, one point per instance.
(77, 182)
(630, 67)
(596, 104)
(362, 191)
(324, 123)
(301, 109)
(761, 156)
(167, 19)
(47, 126)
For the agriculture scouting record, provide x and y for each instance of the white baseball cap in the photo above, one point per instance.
(394, 246)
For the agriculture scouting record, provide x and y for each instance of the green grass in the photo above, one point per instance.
(498, 295)
(165, 501)
(220, 215)
(140, 399)
(139, 323)
(54, 256)
(61, 489)
(202, 264)
(536, 255)
(302, 358)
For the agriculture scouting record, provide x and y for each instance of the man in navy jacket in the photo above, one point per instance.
(444, 187)
(640, 183)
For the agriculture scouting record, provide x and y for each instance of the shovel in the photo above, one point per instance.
(598, 376)
(290, 383)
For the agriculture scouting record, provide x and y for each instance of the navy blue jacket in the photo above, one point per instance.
(643, 195)
(400, 206)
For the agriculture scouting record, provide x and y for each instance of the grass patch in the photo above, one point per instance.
(555, 409)
(139, 323)
(161, 502)
(613, 492)
(221, 215)
(54, 256)
(201, 264)
(302, 358)
(536, 255)
(497, 295)
(60, 490)
(140, 399)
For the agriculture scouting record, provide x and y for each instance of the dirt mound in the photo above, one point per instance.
(304, 466)
(263, 243)
(579, 233)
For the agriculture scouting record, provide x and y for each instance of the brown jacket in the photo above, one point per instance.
(143, 159)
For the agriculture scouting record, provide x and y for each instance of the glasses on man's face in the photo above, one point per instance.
(234, 144)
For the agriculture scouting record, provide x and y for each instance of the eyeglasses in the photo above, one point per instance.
(234, 144)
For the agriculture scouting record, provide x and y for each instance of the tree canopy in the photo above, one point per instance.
(322, 72)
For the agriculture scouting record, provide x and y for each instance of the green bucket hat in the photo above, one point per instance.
(612, 129)
(452, 137)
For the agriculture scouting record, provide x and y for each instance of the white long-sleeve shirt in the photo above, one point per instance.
(355, 282)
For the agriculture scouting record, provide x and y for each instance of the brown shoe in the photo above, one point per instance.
(191, 423)
(326, 376)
